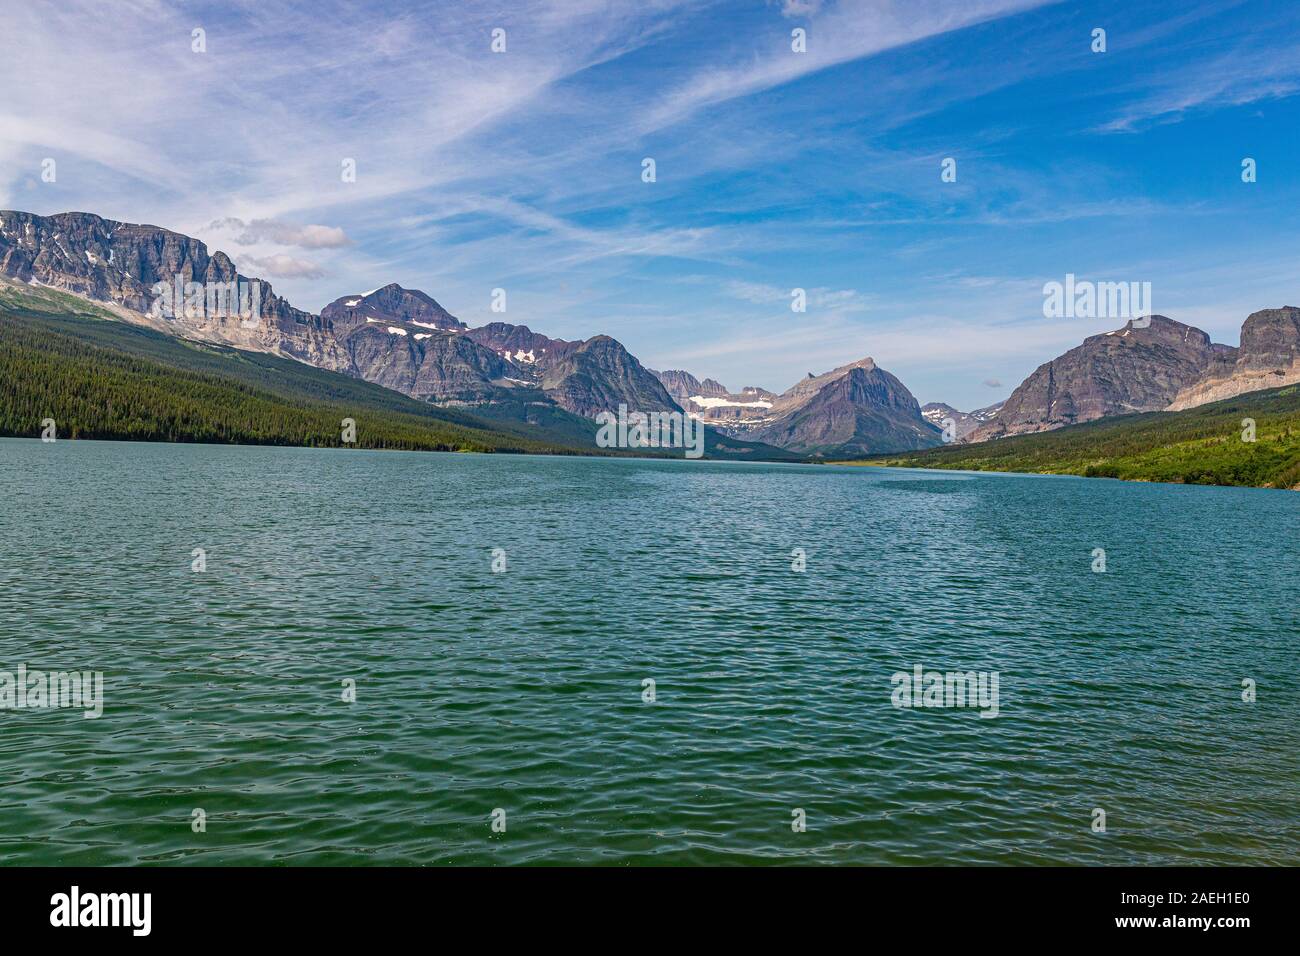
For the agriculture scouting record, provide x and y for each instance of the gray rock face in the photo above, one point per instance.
(404, 340)
(682, 385)
(599, 375)
(435, 366)
(1269, 357)
(390, 304)
(520, 344)
(936, 413)
(585, 378)
(711, 400)
(857, 409)
(1128, 370)
(121, 263)
(854, 410)
(102, 259)
(399, 338)
(1270, 339)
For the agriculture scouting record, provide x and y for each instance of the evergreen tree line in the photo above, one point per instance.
(93, 389)
(1202, 445)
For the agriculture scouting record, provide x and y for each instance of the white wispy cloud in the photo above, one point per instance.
(838, 35)
(260, 122)
(1232, 79)
(477, 169)
(800, 8)
(283, 233)
(817, 298)
(279, 266)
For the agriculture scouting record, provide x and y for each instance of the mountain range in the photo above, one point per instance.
(855, 409)
(1156, 364)
(937, 413)
(404, 340)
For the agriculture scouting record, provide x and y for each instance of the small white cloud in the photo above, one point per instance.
(800, 8)
(760, 293)
(281, 266)
(992, 383)
(284, 233)
(757, 292)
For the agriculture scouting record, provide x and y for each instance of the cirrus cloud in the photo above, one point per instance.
(281, 266)
(310, 236)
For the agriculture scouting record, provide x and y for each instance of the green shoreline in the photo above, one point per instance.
(100, 378)
(1206, 445)
(104, 379)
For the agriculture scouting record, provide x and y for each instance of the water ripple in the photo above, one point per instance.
(523, 690)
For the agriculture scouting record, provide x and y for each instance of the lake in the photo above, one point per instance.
(347, 680)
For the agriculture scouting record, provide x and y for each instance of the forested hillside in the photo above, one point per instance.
(1202, 445)
(110, 380)
(64, 358)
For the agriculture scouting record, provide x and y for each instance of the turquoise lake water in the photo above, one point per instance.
(523, 690)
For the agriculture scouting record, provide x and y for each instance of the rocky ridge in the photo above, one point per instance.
(936, 413)
(1138, 368)
(856, 409)
(399, 338)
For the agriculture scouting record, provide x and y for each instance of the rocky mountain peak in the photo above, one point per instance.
(1269, 357)
(936, 413)
(1152, 329)
(1136, 368)
(855, 409)
(600, 374)
(683, 385)
(397, 337)
(799, 393)
(1270, 339)
(390, 303)
(124, 263)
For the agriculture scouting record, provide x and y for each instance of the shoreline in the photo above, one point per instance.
(870, 463)
(576, 453)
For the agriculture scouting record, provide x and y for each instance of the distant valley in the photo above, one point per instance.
(858, 408)
(405, 341)
(939, 413)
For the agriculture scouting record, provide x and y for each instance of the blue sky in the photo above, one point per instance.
(775, 170)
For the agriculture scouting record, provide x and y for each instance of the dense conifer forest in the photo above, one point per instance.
(1204, 446)
(111, 380)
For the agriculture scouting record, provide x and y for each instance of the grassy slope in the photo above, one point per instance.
(1198, 446)
(68, 359)
(59, 358)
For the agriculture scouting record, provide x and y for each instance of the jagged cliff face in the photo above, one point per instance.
(807, 388)
(1269, 357)
(854, 410)
(1270, 339)
(122, 263)
(1129, 370)
(399, 338)
(102, 259)
(857, 409)
(599, 374)
(390, 304)
(586, 377)
(711, 401)
(520, 344)
(682, 386)
(404, 340)
(441, 366)
(936, 413)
